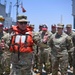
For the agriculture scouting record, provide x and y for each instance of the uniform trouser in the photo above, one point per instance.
(62, 61)
(35, 61)
(1, 66)
(23, 65)
(44, 58)
(74, 62)
(70, 59)
(73, 71)
(5, 63)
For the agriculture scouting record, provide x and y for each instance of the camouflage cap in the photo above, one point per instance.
(22, 18)
(53, 26)
(68, 25)
(60, 25)
(32, 25)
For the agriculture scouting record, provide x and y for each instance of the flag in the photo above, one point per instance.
(23, 10)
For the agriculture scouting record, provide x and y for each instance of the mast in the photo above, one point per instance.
(17, 6)
(10, 9)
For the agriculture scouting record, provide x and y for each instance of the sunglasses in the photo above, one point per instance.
(23, 23)
(59, 28)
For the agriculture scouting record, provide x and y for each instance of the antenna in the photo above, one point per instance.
(10, 9)
(17, 6)
(61, 19)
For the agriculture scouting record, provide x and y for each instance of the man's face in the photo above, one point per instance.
(59, 29)
(22, 25)
(54, 29)
(68, 29)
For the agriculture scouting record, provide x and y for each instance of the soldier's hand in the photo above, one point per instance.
(45, 39)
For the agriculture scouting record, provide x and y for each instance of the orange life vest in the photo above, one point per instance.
(21, 42)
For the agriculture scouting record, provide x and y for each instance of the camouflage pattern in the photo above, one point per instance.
(70, 53)
(44, 52)
(21, 61)
(74, 61)
(59, 44)
(5, 54)
(36, 39)
(23, 65)
(35, 59)
(73, 39)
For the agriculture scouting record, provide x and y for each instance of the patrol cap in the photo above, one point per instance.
(22, 18)
(53, 26)
(1, 24)
(68, 25)
(60, 25)
(32, 25)
(44, 27)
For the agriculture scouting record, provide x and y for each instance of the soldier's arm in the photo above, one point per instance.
(37, 40)
(7, 41)
(49, 36)
(73, 39)
(36, 37)
(50, 41)
(69, 44)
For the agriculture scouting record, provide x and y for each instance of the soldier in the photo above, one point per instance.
(53, 29)
(40, 28)
(35, 58)
(61, 25)
(4, 51)
(60, 43)
(32, 27)
(44, 53)
(70, 54)
(73, 39)
(21, 47)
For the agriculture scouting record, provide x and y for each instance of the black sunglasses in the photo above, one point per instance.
(23, 23)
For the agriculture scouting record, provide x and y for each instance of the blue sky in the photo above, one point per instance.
(44, 11)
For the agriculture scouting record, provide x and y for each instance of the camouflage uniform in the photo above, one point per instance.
(23, 65)
(73, 39)
(35, 58)
(5, 54)
(70, 53)
(59, 45)
(44, 53)
(35, 51)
